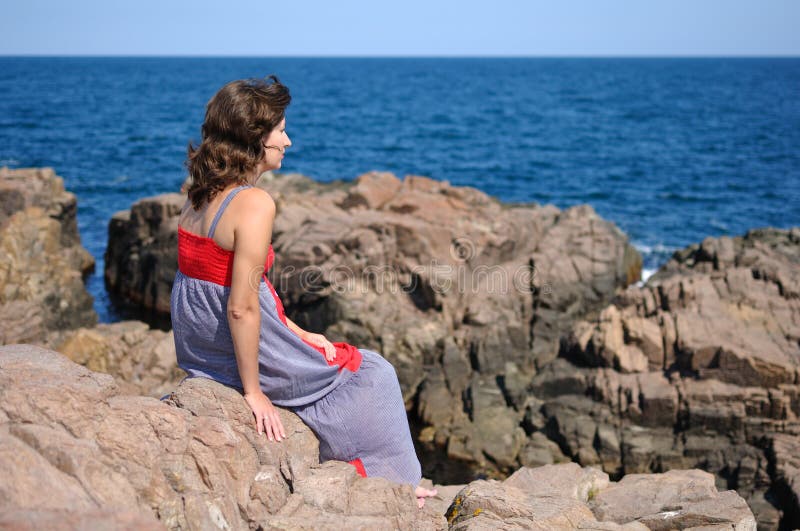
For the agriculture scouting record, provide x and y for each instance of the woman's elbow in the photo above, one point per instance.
(241, 313)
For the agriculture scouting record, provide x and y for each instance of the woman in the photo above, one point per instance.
(228, 321)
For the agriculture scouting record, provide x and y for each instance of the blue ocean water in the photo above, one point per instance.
(671, 150)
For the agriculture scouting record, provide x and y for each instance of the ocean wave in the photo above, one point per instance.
(718, 225)
(658, 248)
(646, 274)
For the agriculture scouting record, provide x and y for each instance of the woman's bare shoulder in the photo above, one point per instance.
(257, 199)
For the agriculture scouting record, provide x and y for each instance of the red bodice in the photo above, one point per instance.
(202, 258)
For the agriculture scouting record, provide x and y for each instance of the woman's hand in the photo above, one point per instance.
(267, 417)
(321, 341)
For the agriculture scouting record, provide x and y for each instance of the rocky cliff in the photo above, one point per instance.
(43, 262)
(75, 453)
(521, 341)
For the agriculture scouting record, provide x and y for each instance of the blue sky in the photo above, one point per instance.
(407, 28)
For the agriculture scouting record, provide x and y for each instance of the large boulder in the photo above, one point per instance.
(697, 368)
(73, 449)
(141, 359)
(43, 262)
(141, 257)
(569, 497)
(726, 309)
(678, 499)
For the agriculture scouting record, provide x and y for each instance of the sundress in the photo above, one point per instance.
(352, 403)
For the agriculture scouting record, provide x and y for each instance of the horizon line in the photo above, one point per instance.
(399, 56)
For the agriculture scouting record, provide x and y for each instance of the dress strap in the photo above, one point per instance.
(223, 206)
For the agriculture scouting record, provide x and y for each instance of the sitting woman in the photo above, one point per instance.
(229, 323)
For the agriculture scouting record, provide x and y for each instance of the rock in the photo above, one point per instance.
(142, 253)
(676, 499)
(41, 281)
(539, 451)
(24, 188)
(578, 425)
(723, 317)
(568, 497)
(72, 447)
(445, 494)
(566, 480)
(785, 453)
(697, 368)
(372, 191)
(649, 449)
(491, 504)
(68, 520)
(726, 309)
(141, 359)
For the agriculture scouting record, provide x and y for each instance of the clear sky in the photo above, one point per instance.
(405, 27)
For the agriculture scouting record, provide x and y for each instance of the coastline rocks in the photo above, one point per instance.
(41, 279)
(570, 497)
(428, 258)
(73, 450)
(142, 360)
(142, 253)
(44, 301)
(71, 446)
(466, 296)
(432, 267)
(697, 368)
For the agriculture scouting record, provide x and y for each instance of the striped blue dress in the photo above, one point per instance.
(353, 404)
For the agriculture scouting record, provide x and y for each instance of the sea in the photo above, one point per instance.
(672, 150)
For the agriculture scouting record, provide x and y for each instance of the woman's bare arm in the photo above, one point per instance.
(318, 340)
(252, 221)
(294, 328)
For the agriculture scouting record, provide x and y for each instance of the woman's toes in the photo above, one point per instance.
(425, 493)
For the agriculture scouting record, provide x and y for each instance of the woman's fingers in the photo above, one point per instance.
(321, 341)
(274, 427)
(280, 426)
(268, 428)
(330, 351)
(259, 424)
(268, 419)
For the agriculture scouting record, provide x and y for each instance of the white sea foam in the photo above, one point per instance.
(646, 273)
(645, 249)
(717, 224)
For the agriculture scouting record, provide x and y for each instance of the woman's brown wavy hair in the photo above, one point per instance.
(237, 118)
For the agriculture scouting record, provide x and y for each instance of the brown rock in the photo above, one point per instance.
(566, 480)
(372, 190)
(140, 358)
(21, 189)
(72, 447)
(725, 309)
(676, 499)
(491, 504)
(69, 520)
(568, 497)
(142, 253)
(41, 281)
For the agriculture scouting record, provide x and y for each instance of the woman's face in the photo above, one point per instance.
(275, 144)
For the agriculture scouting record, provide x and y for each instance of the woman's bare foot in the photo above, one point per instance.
(423, 493)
